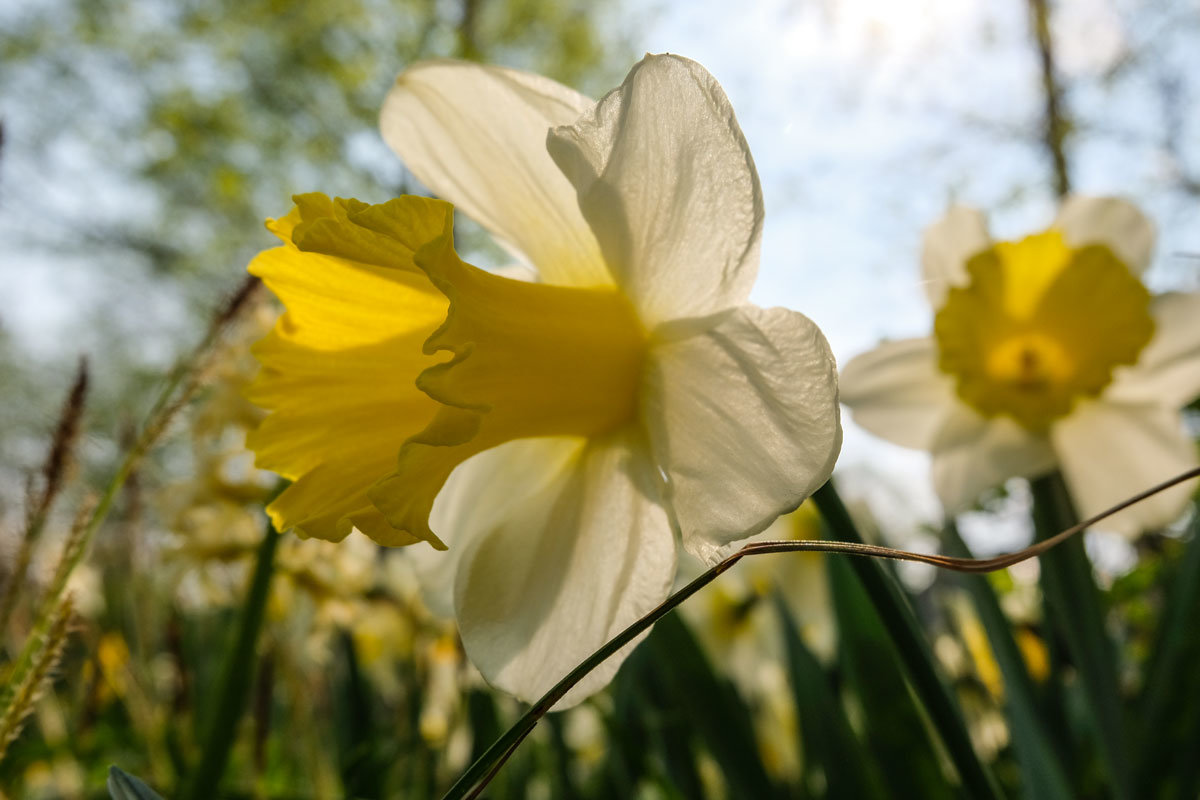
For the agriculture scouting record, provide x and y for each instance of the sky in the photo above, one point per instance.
(867, 118)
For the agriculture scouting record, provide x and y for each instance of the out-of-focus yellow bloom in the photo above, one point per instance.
(440, 703)
(1039, 327)
(1034, 651)
(585, 421)
(112, 654)
(1047, 352)
(52, 779)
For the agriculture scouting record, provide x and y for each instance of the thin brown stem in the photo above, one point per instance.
(950, 562)
(479, 774)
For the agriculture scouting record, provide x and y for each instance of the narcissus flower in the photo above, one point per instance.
(585, 421)
(1047, 352)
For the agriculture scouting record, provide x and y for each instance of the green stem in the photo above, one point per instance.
(1170, 681)
(898, 617)
(236, 676)
(1075, 613)
(1042, 772)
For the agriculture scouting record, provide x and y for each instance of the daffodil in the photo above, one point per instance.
(626, 400)
(1048, 352)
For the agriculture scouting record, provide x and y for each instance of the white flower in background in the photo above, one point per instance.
(588, 421)
(1047, 353)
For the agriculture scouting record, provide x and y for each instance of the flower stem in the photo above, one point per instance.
(237, 673)
(1074, 611)
(900, 621)
(1040, 763)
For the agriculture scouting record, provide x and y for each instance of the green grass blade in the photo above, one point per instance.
(826, 734)
(893, 726)
(1041, 771)
(362, 764)
(1075, 613)
(1169, 718)
(711, 706)
(647, 722)
(913, 648)
(237, 673)
(123, 786)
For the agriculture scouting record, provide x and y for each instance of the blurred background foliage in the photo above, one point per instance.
(146, 139)
(143, 143)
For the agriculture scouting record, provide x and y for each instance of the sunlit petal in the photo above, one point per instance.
(897, 392)
(666, 181)
(1168, 370)
(1109, 451)
(947, 246)
(743, 417)
(1109, 221)
(559, 573)
(476, 136)
(972, 454)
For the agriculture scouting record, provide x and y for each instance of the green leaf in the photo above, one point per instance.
(901, 624)
(711, 706)
(895, 729)
(562, 782)
(649, 707)
(1041, 773)
(123, 786)
(1075, 613)
(629, 740)
(828, 739)
(237, 673)
(363, 767)
(483, 719)
(1169, 718)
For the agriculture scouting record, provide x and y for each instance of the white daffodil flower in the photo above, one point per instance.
(587, 423)
(1047, 353)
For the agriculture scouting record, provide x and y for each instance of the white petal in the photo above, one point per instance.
(972, 454)
(947, 246)
(897, 392)
(1109, 451)
(667, 182)
(742, 413)
(1168, 370)
(1110, 221)
(476, 136)
(485, 487)
(551, 577)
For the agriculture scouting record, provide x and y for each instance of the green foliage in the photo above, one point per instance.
(1040, 762)
(123, 786)
(896, 734)
(147, 140)
(832, 750)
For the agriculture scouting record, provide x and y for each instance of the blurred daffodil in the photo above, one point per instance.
(585, 419)
(1047, 352)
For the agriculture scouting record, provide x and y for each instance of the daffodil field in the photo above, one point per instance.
(566, 434)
